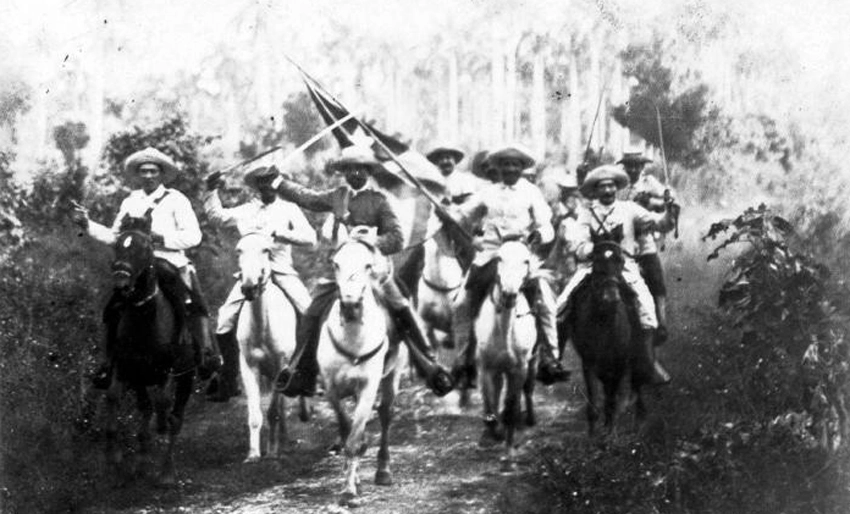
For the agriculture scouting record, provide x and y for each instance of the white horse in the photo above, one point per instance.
(266, 334)
(442, 278)
(357, 358)
(506, 333)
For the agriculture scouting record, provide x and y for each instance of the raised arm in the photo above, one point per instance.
(390, 235)
(320, 201)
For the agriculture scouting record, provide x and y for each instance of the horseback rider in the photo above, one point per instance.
(174, 228)
(368, 215)
(510, 207)
(646, 190)
(459, 185)
(562, 258)
(287, 226)
(604, 214)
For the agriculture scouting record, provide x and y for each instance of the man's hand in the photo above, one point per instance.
(79, 215)
(214, 181)
(365, 234)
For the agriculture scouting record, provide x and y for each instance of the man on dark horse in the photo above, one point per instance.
(459, 185)
(511, 206)
(649, 193)
(287, 226)
(174, 228)
(603, 216)
(358, 205)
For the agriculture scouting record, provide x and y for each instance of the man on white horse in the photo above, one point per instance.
(604, 215)
(287, 226)
(512, 207)
(174, 228)
(459, 185)
(358, 205)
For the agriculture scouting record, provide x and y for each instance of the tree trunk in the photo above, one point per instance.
(573, 117)
(538, 106)
(497, 123)
(454, 101)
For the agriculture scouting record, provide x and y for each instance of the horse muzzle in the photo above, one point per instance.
(509, 300)
(122, 281)
(251, 291)
(351, 310)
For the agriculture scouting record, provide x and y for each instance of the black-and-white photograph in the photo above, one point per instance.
(393, 256)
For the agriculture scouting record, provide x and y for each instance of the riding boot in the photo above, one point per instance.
(549, 368)
(301, 381)
(227, 383)
(422, 353)
(649, 366)
(203, 351)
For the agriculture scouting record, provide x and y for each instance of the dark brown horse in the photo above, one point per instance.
(604, 335)
(148, 353)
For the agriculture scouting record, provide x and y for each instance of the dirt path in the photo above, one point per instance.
(437, 464)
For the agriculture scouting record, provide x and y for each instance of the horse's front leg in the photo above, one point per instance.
(251, 385)
(491, 387)
(591, 386)
(278, 435)
(161, 404)
(113, 399)
(355, 445)
(528, 391)
(389, 386)
(511, 415)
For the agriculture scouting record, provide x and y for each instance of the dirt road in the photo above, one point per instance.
(437, 464)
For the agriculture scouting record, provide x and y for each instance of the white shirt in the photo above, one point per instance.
(280, 217)
(502, 211)
(627, 214)
(172, 217)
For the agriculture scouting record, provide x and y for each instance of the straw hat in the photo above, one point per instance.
(513, 151)
(435, 154)
(602, 173)
(150, 155)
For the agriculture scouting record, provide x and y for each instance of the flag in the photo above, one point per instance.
(414, 209)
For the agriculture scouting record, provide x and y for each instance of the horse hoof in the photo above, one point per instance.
(351, 500)
(488, 439)
(383, 477)
(530, 421)
(506, 465)
(251, 459)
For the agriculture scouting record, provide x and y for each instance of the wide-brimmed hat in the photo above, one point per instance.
(479, 166)
(355, 155)
(566, 180)
(634, 158)
(253, 177)
(513, 151)
(602, 173)
(150, 155)
(435, 154)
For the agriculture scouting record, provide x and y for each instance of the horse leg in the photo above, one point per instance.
(528, 392)
(592, 389)
(610, 389)
(511, 416)
(491, 385)
(145, 407)
(278, 436)
(389, 386)
(342, 419)
(113, 399)
(251, 386)
(183, 385)
(304, 409)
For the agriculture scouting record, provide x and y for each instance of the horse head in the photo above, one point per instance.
(254, 255)
(353, 266)
(608, 261)
(133, 254)
(514, 268)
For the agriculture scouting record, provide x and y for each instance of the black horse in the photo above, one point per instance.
(147, 345)
(602, 323)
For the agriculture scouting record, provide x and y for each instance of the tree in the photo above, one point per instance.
(654, 97)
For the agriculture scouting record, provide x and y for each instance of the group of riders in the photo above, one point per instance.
(504, 205)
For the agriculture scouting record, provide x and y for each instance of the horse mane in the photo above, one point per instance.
(142, 224)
